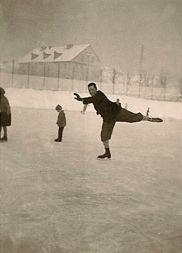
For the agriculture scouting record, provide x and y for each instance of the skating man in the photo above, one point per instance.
(111, 113)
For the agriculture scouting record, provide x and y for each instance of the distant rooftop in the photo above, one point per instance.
(53, 54)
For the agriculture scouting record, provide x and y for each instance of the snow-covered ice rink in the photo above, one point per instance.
(58, 198)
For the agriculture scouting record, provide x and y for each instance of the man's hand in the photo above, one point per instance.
(77, 97)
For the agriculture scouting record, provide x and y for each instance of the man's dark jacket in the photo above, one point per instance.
(103, 106)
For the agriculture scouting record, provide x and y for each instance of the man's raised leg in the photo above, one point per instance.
(147, 118)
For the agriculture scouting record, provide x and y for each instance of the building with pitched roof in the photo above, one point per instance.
(78, 62)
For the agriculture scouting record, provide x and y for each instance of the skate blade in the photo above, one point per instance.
(156, 120)
(103, 159)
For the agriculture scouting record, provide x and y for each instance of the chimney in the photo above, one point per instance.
(68, 46)
(56, 54)
(43, 48)
(33, 56)
(45, 55)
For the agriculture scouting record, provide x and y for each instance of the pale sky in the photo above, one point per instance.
(115, 29)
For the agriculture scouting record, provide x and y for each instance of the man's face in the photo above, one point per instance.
(92, 90)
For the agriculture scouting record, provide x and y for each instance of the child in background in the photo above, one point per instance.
(5, 114)
(147, 112)
(61, 122)
(118, 102)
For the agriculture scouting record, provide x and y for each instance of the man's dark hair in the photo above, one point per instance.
(92, 84)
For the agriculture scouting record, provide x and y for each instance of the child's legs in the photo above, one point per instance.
(60, 133)
(5, 120)
(5, 131)
(0, 124)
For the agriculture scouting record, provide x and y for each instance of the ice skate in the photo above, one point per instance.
(4, 138)
(155, 119)
(58, 140)
(106, 155)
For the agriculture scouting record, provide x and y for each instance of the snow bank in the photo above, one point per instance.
(47, 99)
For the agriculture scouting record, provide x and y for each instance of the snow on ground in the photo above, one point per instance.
(47, 99)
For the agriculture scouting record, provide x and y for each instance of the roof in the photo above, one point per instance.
(53, 54)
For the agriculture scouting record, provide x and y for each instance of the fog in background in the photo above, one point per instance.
(116, 29)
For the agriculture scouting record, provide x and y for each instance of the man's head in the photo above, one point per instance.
(58, 108)
(92, 88)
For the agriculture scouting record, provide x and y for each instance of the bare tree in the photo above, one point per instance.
(114, 73)
(180, 88)
(128, 82)
(163, 82)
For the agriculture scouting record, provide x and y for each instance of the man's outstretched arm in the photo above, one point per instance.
(86, 100)
(77, 97)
